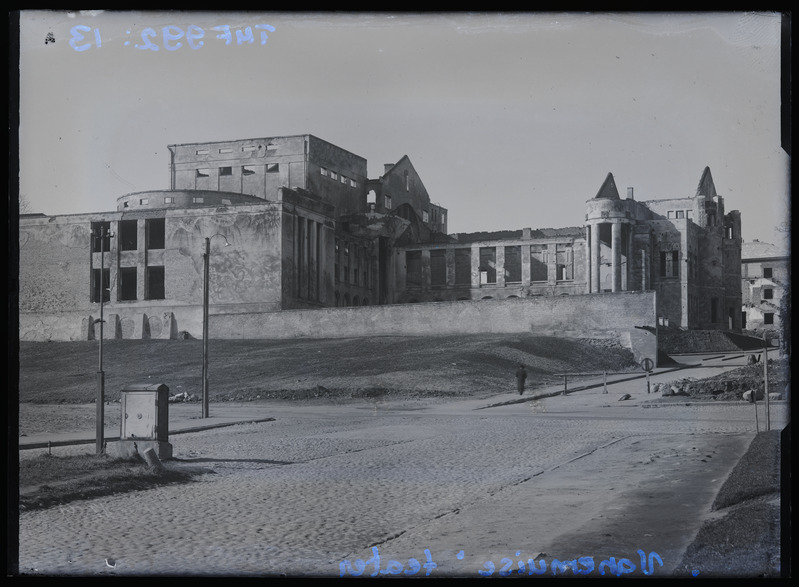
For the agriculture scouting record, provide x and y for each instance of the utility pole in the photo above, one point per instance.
(100, 399)
(206, 264)
(206, 259)
(765, 380)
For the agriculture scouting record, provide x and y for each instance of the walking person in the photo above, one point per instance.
(521, 376)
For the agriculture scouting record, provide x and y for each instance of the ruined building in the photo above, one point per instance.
(765, 279)
(295, 223)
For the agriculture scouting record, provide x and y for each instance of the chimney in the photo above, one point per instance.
(630, 194)
(526, 234)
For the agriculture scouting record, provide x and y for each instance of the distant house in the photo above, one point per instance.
(764, 285)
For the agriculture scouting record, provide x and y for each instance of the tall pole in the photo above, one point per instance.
(100, 399)
(765, 380)
(206, 259)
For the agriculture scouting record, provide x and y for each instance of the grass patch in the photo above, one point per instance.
(46, 481)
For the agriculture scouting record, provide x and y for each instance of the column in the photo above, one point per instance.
(596, 251)
(499, 259)
(616, 255)
(588, 259)
(475, 267)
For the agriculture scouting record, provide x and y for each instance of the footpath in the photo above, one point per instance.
(580, 393)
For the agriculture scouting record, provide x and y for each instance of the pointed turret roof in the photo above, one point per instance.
(706, 186)
(608, 190)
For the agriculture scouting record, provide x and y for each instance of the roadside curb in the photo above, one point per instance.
(183, 430)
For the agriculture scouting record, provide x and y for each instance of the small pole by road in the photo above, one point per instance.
(604, 381)
(754, 401)
(565, 384)
(765, 381)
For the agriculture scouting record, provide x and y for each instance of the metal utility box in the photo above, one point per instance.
(145, 419)
(145, 412)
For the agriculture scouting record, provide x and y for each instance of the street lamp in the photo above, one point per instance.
(206, 263)
(102, 234)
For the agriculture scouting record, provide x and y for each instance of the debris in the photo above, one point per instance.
(624, 397)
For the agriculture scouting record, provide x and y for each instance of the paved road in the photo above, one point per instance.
(391, 488)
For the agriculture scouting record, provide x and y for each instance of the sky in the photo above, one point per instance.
(512, 120)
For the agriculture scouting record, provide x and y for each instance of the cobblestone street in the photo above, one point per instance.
(561, 477)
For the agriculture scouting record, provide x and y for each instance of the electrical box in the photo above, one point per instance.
(145, 412)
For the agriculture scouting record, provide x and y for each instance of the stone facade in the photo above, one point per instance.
(765, 277)
(294, 223)
(687, 250)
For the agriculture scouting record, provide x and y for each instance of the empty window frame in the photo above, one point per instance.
(225, 150)
(463, 266)
(202, 172)
(155, 284)
(98, 229)
(353, 183)
(438, 267)
(202, 151)
(336, 265)
(272, 168)
(249, 148)
(513, 264)
(225, 171)
(323, 171)
(344, 179)
(144, 201)
(387, 201)
(169, 200)
(333, 175)
(768, 318)
(768, 294)
(104, 287)
(680, 214)
(127, 284)
(768, 272)
(565, 262)
(197, 200)
(248, 169)
(538, 263)
(155, 231)
(413, 272)
(128, 232)
(714, 310)
(488, 265)
(669, 264)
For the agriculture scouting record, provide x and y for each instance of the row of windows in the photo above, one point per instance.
(227, 171)
(127, 287)
(343, 178)
(680, 214)
(154, 234)
(344, 301)
(563, 259)
(244, 149)
(359, 259)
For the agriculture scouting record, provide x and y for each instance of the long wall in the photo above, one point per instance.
(629, 317)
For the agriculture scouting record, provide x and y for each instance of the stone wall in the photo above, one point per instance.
(628, 317)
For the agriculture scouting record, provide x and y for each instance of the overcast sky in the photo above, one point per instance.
(511, 120)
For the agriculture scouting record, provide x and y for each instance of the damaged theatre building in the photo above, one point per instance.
(301, 242)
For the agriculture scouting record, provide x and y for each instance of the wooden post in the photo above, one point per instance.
(754, 401)
(565, 384)
(765, 380)
(605, 381)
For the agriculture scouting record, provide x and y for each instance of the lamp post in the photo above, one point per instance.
(206, 268)
(102, 234)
